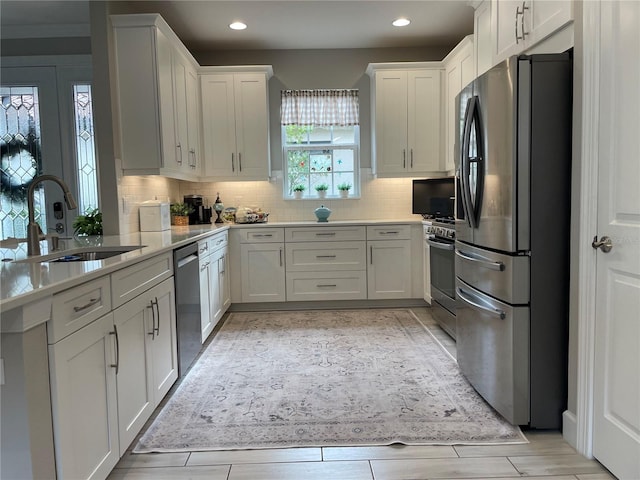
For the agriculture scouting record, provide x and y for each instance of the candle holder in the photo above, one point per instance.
(218, 207)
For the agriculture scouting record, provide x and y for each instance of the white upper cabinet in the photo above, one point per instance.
(482, 37)
(406, 111)
(459, 72)
(235, 122)
(519, 25)
(155, 98)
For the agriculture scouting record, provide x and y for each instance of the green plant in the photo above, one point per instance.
(323, 187)
(180, 209)
(88, 224)
(299, 188)
(344, 186)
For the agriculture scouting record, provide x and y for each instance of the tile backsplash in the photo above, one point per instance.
(380, 198)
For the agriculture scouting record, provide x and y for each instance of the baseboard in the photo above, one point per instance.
(570, 428)
(327, 305)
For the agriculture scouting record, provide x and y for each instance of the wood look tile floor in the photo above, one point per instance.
(547, 457)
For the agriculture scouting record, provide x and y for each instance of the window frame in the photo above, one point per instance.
(355, 147)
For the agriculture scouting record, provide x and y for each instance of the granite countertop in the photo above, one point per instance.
(27, 282)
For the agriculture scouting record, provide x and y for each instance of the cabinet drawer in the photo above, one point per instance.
(325, 256)
(261, 235)
(349, 285)
(132, 281)
(323, 234)
(77, 307)
(388, 232)
(218, 240)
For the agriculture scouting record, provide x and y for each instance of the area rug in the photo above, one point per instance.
(324, 378)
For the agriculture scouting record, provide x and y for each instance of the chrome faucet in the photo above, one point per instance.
(34, 232)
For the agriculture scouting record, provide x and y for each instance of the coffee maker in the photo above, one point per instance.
(200, 213)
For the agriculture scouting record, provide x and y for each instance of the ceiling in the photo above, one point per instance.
(272, 24)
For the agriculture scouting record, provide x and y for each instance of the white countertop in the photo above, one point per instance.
(28, 282)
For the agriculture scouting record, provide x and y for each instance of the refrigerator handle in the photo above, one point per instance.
(469, 300)
(479, 161)
(464, 162)
(485, 262)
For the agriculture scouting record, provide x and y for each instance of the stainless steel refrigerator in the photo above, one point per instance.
(513, 154)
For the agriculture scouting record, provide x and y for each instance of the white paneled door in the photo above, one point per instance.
(616, 432)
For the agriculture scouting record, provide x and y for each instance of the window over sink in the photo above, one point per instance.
(321, 140)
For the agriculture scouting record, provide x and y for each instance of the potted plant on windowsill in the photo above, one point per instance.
(298, 190)
(180, 213)
(321, 190)
(344, 188)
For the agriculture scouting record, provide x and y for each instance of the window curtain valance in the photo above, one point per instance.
(319, 108)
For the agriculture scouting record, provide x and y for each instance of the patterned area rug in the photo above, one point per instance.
(324, 378)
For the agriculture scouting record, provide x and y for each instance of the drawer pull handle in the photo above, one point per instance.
(260, 235)
(325, 256)
(390, 232)
(117, 364)
(326, 234)
(90, 303)
(326, 285)
(220, 241)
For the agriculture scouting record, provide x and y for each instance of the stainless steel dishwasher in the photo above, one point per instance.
(187, 282)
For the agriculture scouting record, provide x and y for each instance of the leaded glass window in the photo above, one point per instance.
(85, 149)
(21, 160)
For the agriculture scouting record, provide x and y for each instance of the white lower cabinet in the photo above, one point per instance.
(326, 263)
(219, 260)
(146, 357)
(84, 403)
(208, 284)
(108, 374)
(215, 291)
(262, 271)
(389, 269)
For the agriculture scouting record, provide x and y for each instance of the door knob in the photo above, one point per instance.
(604, 244)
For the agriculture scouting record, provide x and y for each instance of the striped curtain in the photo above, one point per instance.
(319, 108)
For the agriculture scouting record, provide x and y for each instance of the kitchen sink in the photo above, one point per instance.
(83, 254)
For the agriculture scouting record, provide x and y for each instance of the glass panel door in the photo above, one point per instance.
(46, 127)
(21, 159)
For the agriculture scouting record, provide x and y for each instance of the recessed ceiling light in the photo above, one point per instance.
(238, 26)
(401, 22)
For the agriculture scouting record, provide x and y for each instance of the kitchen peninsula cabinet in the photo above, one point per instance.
(84, 401)
(112, 358)
(146, 357)
(406, 122)
(389, 262)
(235, 122)
(157, 99)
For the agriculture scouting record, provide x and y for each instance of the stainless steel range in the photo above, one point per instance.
(440, 236)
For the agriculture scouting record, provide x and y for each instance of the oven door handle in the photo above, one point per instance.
(485, 262)
(469, 300)
(441, 245)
